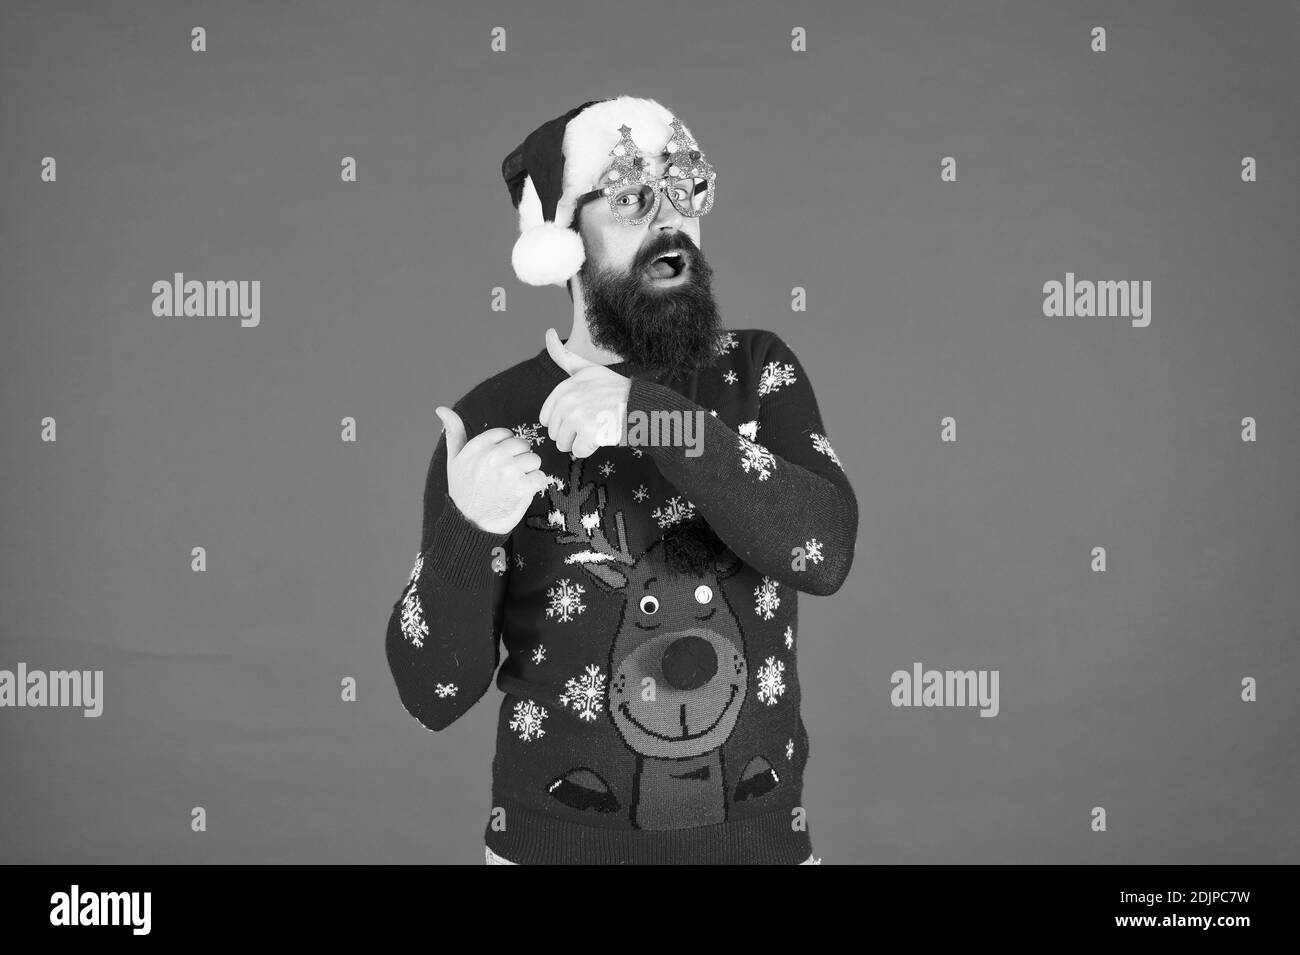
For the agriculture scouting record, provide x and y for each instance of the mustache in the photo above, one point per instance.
(667, 243)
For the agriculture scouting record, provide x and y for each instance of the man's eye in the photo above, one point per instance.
(649, 604)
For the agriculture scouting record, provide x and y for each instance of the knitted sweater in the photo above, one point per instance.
(647, 604)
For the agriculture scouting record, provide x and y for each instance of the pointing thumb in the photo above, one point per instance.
(562, 356)
(453, 428)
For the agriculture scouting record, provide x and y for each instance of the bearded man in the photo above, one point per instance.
(643, 582)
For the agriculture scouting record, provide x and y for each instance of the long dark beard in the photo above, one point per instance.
(674, 329)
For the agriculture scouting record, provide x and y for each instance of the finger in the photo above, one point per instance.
(453, 429)
(538, 481)
(504, 454)
(548, 406)
(485, 440)
(565, 433)
(562, 356)
(513, 445)
(584, 446)
(527, 462)
(567, 403)
(556, 420)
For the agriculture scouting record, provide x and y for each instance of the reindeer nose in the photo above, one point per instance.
(689, 663)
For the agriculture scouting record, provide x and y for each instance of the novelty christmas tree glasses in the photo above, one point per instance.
(634, 192)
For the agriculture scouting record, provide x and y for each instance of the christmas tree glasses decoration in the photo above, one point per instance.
(634, 192)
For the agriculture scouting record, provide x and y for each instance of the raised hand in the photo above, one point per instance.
(493, 477)
(589, 409)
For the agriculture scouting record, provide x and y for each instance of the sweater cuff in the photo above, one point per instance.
(461, 552)
(646, 396)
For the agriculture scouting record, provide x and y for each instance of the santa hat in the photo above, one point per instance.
(557, 163)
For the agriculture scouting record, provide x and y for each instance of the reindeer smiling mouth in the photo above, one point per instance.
(698, 676)
(627, 714)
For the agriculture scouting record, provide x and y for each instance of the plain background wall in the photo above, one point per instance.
(1119, 690)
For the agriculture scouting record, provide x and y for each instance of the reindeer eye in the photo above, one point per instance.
(649, 604)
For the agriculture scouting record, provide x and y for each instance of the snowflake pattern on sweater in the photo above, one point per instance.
(726, 342)
(754, 457)
(821, 444)
(674, 511)
(532, 433)
(632, 642)
(413, 626)
(765, 599)
(771, 681)
(527, 720)
(775, 376)
(565, 600)
(585, 693)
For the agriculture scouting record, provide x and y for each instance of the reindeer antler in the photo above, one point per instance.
(578, 527)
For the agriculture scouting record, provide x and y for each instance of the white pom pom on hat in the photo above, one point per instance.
(557, 163)
(546, 253)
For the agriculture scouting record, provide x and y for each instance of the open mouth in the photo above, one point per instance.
(670, 265)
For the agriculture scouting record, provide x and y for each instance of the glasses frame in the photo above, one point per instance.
(658, 185)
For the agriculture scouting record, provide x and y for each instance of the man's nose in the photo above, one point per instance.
(667, 217)
(689, 662)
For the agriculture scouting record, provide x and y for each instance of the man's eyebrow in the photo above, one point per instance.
(650, 580)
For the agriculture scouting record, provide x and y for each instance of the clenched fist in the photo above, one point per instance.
(493, 477)
(588, 410)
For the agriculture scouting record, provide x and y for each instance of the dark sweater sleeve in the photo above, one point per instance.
(778, 496)
(442, 638)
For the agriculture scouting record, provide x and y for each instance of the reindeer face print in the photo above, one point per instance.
(678, 661)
